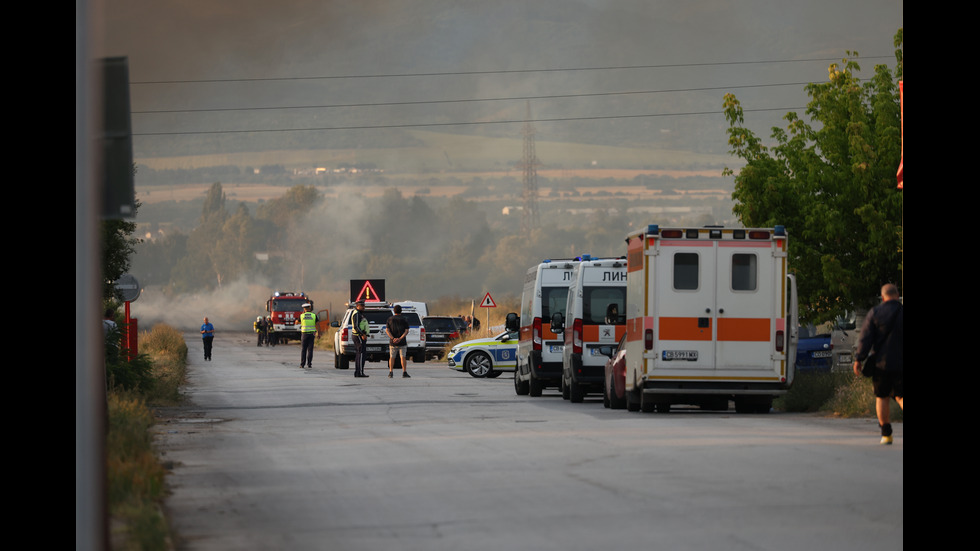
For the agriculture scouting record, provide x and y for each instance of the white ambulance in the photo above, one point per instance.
(711, 317)
(539, 349)
(595, 316)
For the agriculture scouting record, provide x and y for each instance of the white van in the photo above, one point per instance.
(595, 316)
(539, 349)
(711, 317)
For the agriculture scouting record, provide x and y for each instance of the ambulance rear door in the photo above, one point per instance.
(714, 306)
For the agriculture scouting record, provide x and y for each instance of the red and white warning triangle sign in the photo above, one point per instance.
(488, 302)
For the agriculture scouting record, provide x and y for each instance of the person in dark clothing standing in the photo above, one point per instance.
(882, 335)
(397, 330)
(361, 328)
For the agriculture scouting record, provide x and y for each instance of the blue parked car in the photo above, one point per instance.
(814, 352)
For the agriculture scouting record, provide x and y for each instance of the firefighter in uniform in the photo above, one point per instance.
(259, 327)
(307, 327)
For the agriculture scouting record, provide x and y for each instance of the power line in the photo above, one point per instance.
(466, 123)
(497, 72)
(463, 100)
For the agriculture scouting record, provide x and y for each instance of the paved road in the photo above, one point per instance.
(270, 456)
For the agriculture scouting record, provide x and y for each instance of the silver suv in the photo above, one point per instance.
(376, 349)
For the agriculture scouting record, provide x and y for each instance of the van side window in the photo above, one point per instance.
(744, 272)
(553, 300)
(686, 271)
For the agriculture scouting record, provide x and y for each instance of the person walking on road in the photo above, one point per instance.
(361, 328)
(207, 333)
(397, 330)
(307, 328)
(881, 338)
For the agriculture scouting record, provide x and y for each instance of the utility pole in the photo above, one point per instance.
(529, 164)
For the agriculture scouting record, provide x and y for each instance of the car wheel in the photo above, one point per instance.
(632, 400)
(535, 387)
(520, 387)
(563, 388)
(753, 405)
(615, 402)
(478, 364)
(575, 392)
(647, 405)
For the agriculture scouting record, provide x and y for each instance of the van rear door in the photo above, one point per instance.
(715, 310)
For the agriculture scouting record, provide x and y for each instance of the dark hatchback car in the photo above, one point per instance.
(439, 330)
(814, 352)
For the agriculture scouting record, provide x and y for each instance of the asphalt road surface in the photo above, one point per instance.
(267, 455)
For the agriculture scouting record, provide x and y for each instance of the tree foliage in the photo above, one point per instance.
(832, 183)
(118, 247)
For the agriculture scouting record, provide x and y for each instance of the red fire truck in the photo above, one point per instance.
(284, 309)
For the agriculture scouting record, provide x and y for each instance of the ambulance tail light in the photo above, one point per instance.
(780, 340)
(648, 339)
(536, 334)
(577, 336)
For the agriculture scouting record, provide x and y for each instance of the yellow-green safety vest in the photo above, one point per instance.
(307, 322)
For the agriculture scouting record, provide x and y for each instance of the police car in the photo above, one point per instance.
(486, 357)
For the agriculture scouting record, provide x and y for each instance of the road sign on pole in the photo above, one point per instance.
(488, 302)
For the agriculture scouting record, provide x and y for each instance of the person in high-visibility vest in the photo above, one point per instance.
(307, 328)
(259, 327)
(361, 328)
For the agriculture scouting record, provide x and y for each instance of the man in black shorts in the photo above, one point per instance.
(397, 330)
(882, 333)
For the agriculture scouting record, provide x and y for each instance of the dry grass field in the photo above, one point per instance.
(263, 192)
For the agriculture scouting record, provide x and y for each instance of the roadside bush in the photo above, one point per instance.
(165, 346)
(839, 393)
(120, 372)
(134, 475)
(857, 399)
(164, 340)
(812, 390)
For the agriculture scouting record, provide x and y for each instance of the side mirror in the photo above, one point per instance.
(607, 350)
(512, 322)
(334, 324)
(558, 323)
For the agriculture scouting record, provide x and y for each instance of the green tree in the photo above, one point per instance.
(289, 234)
(118, 247)
(832, 184)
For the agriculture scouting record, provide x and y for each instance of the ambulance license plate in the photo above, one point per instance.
(685, 355)
(555, 348)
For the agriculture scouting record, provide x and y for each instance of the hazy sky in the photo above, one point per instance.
(710, 43)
